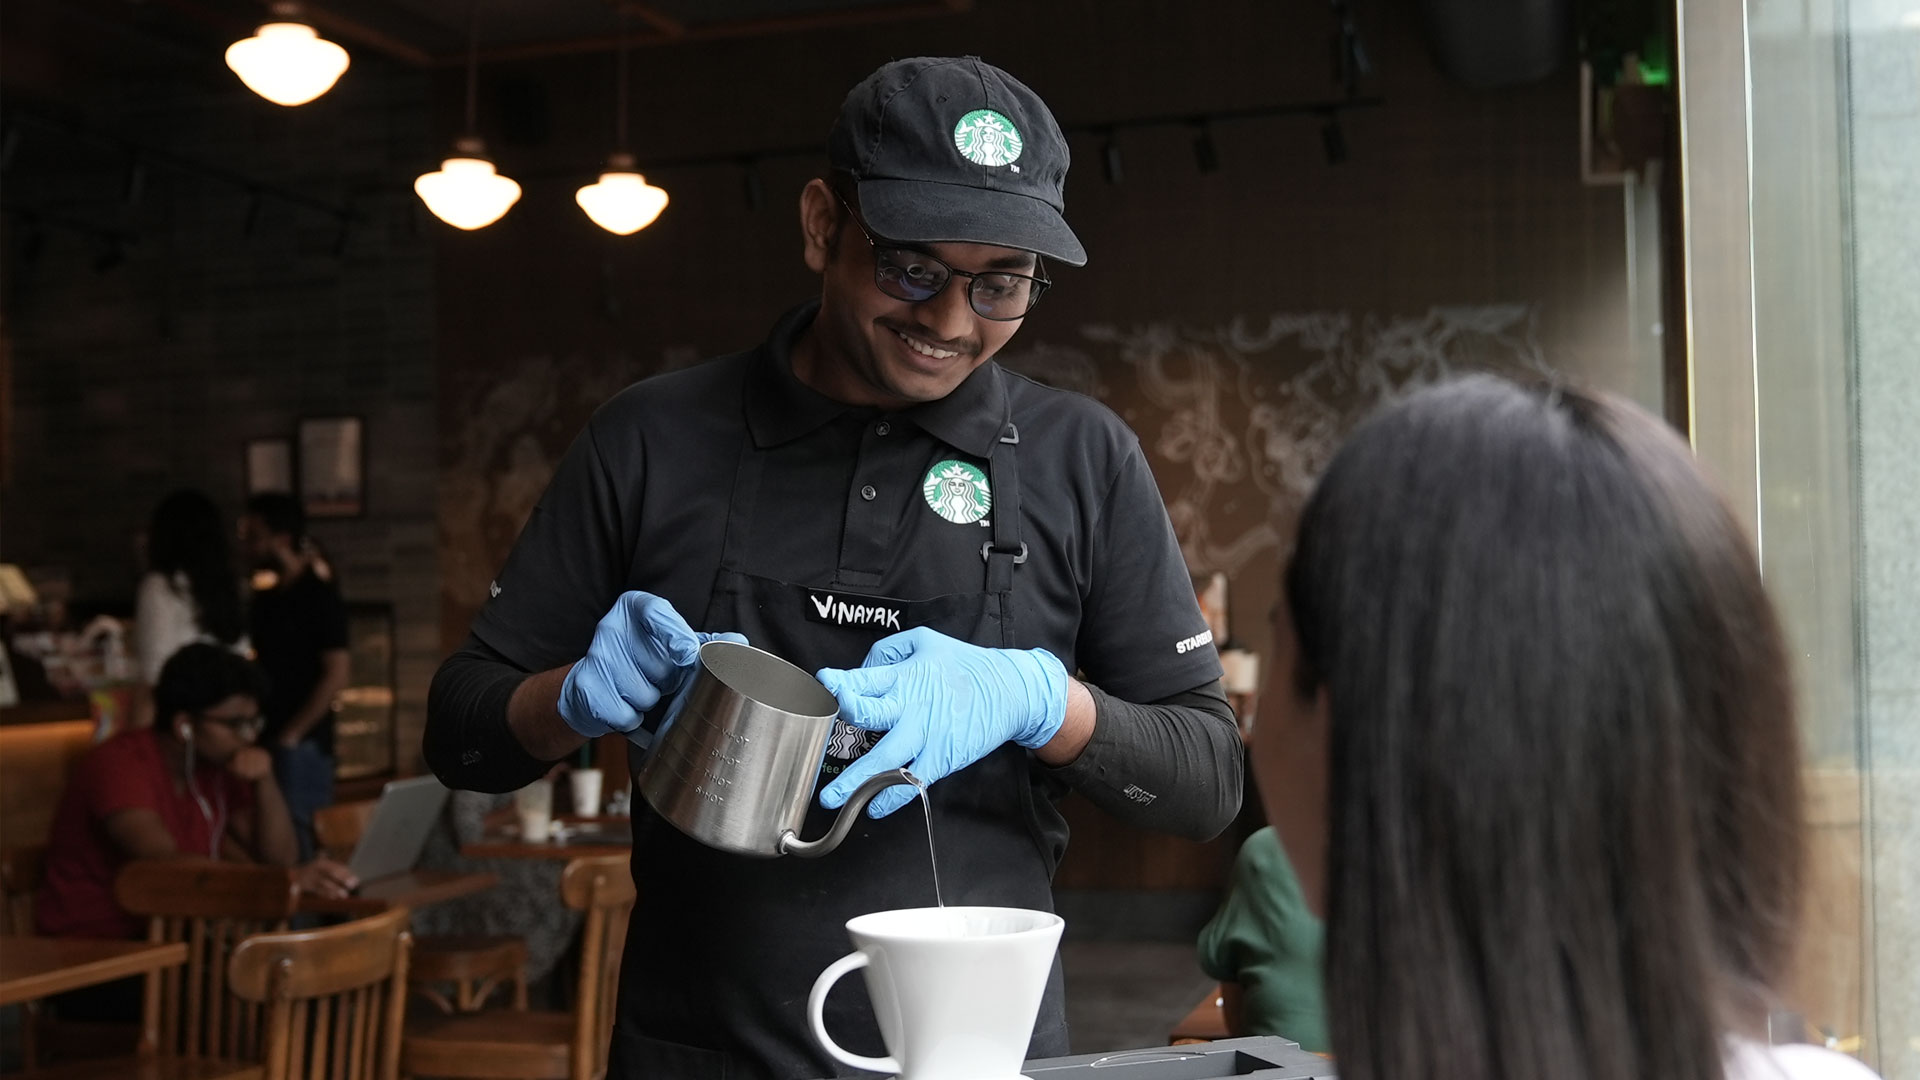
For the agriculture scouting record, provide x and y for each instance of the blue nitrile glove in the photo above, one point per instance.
(944, 705)
(642, 651)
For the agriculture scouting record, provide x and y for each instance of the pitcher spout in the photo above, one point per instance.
(790, 842)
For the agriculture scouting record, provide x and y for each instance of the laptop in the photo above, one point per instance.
(397, 831)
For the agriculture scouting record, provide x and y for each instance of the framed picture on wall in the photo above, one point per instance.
(269, 465)
(333, 466)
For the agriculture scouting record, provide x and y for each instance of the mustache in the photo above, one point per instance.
(963, 346)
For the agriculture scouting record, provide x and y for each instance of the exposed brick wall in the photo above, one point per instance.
(151, 375)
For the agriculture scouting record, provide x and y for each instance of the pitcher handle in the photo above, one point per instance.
(790, 842)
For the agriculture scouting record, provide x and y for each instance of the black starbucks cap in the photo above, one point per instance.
(954, 150)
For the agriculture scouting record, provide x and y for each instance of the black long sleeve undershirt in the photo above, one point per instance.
(1173, 765)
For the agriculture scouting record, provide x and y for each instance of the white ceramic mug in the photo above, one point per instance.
(955, 989)
(586, 792)
(534, 803)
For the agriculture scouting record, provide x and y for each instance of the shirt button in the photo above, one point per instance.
(868, 493)
(882, 428)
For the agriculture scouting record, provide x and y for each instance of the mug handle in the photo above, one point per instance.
(817, 1003)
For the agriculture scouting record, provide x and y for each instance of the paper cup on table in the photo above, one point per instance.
(1240, 671)
(534, 803)
(586, 791)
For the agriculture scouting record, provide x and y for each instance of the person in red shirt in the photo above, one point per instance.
(191, 786)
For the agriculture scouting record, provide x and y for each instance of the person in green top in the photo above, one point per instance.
(1265, 946)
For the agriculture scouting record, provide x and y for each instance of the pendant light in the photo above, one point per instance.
(466, 192)
(622, 202)
(286, 61)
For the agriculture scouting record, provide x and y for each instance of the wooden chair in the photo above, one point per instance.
(193, 1025)
(335, 999)
(542, 1045)
(42, 1037)
(475, 965)
(212, 906)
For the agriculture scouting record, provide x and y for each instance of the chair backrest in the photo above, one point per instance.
(601, 886)
(337, 829)
(20, 869)
(335, 998)
(212, 906)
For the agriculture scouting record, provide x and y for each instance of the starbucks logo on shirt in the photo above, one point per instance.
(984, 137)
(957, 491)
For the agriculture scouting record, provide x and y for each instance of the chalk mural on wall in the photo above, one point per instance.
(502, 437)
(1237, 419)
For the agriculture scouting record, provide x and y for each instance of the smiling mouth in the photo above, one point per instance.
(925, 349)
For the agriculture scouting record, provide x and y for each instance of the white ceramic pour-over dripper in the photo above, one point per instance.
(955, 990)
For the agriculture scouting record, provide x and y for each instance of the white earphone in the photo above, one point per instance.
(215, 827)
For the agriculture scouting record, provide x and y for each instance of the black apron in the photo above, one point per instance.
(724, 948)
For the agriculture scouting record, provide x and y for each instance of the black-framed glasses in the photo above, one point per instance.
(909, 274)
(247, 727)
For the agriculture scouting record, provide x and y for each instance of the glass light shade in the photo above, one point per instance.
(287, 63)
(622, 203)
(467, 193)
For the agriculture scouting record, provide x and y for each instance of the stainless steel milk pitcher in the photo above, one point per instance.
(736, 769)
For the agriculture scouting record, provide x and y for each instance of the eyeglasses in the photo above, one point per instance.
(915, 276)
(246, 727)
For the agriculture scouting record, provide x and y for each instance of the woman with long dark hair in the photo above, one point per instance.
(190, 591)
(1532, 747)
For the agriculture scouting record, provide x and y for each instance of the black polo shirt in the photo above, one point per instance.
(844, 502)
(293, 626)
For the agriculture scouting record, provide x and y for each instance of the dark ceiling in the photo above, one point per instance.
(46, 36)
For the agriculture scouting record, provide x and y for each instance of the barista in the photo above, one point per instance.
(867, 493)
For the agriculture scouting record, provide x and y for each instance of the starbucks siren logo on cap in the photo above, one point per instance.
(984, 137)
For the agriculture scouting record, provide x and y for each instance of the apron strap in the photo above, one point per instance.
(1004, 551)
(746, 487)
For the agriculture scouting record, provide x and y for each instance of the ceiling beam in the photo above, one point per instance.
(349, 30)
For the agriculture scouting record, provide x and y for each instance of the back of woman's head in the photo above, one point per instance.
(1565, 791)
(187, 535)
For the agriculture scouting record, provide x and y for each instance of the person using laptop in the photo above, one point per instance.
(193, 785)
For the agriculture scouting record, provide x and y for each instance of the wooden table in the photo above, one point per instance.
(34, 967)
(413, 889)
(583, 837)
